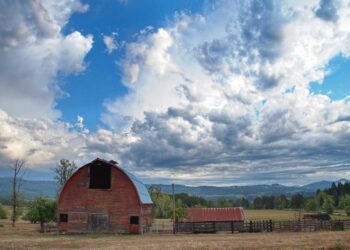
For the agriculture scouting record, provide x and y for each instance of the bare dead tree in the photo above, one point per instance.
(17, 169)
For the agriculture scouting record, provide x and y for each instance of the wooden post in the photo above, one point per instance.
(232, 227)
(271, 227)
(174, 207)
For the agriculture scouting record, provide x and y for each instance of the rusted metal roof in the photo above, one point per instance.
(215, 214)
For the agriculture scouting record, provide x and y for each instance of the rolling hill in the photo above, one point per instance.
(35, 188)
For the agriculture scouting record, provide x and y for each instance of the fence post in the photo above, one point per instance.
(250, 226)
(271, 227)
(232, 227)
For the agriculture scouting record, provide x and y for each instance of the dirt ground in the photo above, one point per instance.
(25, 236)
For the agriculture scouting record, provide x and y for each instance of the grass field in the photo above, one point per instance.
(26, 236)
(276, 215)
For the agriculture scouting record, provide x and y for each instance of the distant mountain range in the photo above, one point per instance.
(33, 188)
(250, 192)
(30, 188)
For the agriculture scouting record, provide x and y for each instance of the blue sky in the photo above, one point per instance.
(214, 92)
(102, 79)
(336, 84)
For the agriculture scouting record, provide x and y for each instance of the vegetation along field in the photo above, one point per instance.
(25, 236)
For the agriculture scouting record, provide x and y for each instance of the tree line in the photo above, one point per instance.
(335, 197)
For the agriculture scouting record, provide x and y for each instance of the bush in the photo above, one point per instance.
(347, 210)
(42, 210)
(311, 205)
(3, 212)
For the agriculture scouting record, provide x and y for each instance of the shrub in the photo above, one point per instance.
(3, 212)
(42, 210)
(347, 210)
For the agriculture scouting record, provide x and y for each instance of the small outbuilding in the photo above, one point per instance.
(211, 220)
(319, 216)
(234, 214)
(102, 197)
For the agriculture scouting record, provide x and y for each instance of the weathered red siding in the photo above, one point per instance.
(215, 214)
(119, 203)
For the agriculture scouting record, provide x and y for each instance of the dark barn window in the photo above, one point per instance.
(134, 220)
(63, 217)
(100, 176)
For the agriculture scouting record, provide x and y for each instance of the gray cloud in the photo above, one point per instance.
(238, 123)
(253, 36)
(327, 11)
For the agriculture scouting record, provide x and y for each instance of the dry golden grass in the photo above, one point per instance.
(270, 214)
(25, 236)
(278, 215)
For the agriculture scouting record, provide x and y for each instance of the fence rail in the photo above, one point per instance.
(262, 226)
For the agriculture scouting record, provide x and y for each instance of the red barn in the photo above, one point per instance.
(102, 197)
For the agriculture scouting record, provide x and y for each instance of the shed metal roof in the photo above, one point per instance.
(215, 214)
(141, 189)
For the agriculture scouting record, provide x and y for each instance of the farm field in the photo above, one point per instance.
(25, 236)
(278, 215)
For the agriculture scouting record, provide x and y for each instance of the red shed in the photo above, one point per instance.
(235, 214)
(102, 197)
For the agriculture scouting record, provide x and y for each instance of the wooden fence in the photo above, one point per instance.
(262, 226)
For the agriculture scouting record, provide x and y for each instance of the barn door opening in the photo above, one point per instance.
(134, 227)
(98, 223)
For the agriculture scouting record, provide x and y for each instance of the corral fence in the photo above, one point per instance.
(159, 229)
(262, 226)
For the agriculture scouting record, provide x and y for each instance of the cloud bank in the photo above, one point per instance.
(224, 96)
(220, 97)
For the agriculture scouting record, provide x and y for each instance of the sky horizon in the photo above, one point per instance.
(212, 92)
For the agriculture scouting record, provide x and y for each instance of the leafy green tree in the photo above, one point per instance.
(337, 191)
(328, 205)
(320, 198)
(268, 202)
(42, 210)
(324, 202)
(162, 203)
(281, 202)
(180, 210)
(311, 205)
(191, 200)
(222, 202)
(297, 201)
(347, 210)
(344, 201)
(242, 202)
(3, 212)
(258, 203)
